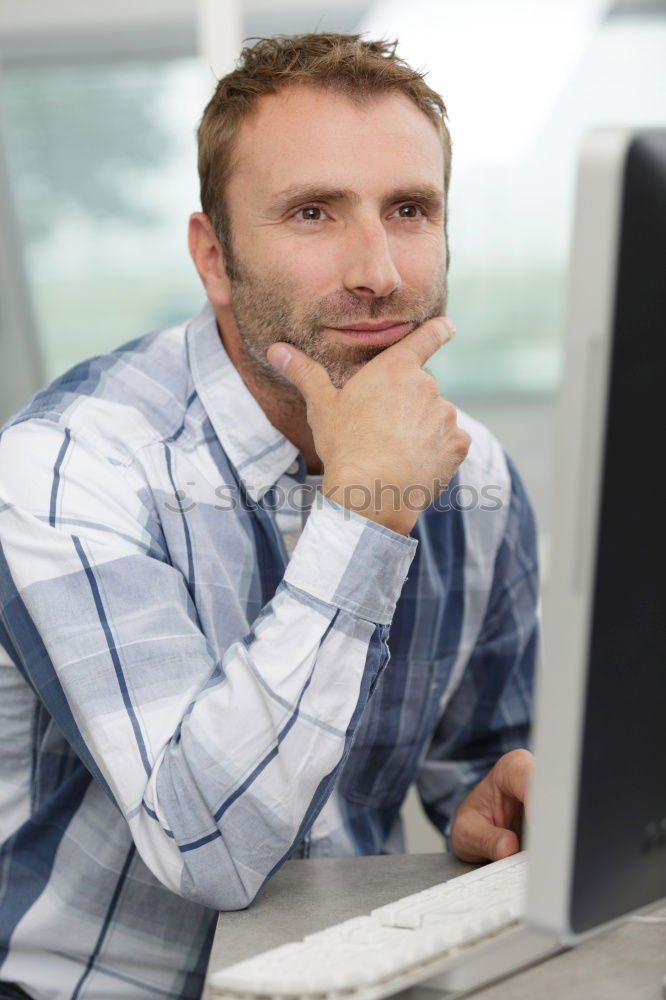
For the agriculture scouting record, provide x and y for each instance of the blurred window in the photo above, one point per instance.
(102, 162)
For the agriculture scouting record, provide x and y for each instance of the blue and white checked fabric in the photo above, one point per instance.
(182, 707)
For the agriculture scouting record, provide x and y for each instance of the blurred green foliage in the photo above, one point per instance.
(77, 134)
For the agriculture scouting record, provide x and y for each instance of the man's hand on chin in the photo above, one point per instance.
(488, 822)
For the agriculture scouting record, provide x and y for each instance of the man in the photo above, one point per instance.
(184, 706)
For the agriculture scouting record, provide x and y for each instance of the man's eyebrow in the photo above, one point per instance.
(432, 196)
(300, 195)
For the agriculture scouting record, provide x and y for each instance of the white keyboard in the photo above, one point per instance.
(399, 945)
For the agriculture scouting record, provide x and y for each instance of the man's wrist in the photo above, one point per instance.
(366, 499)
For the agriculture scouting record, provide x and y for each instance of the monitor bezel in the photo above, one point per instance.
(570, 589)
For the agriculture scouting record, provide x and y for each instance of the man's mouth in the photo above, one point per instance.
(378, 332)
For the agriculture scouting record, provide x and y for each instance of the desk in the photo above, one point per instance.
(626, 963)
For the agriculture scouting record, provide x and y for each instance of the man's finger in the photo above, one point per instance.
(504, 844)
(422, 342)
(480, 840)
(307, 375)
(513, 772)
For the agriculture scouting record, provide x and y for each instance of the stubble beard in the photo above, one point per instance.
(266, 313)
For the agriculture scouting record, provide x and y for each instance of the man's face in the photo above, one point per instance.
(336, 219)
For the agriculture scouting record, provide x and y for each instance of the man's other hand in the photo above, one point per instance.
(390, 443)
(488, 822)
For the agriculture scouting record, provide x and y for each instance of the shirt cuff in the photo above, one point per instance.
(348, 560)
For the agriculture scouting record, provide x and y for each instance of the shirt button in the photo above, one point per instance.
(293, 468)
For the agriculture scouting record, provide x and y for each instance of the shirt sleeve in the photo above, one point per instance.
(219, 760)
(490, 712)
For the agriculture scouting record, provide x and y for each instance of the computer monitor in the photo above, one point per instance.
(597, 839)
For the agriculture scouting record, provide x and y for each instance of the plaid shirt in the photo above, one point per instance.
(182, 707)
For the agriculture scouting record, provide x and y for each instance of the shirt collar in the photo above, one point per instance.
(259, 453)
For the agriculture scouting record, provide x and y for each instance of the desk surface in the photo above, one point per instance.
(626, 963)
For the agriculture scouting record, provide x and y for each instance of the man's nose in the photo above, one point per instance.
(370, 270)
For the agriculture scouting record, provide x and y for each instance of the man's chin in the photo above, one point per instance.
(339, 380)
(344, 364)
(339, 375)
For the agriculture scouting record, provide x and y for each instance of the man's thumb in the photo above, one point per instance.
(503, 845)
(279, 356)
(305, 373)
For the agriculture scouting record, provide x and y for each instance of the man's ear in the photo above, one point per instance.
(208, 259)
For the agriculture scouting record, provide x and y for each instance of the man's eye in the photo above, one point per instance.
(311, 213)
(410, 211)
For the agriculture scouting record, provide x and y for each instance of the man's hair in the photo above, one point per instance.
(345, 64)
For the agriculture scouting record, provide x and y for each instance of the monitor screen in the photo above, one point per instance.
(598, 836)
